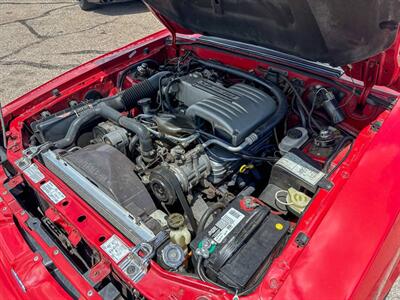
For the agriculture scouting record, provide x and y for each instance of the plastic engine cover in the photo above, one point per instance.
(233, 112)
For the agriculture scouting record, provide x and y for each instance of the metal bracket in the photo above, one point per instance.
(134, 265)
(325, 183)
(375, 126)
(302, 239)
(28, 154)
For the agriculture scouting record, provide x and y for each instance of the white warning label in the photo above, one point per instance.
(115, 248)
(34, 173)
(301, 169)
(52, 192)
(225, 225)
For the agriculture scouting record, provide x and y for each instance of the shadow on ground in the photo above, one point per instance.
(118, 9)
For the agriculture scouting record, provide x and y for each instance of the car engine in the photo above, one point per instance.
(178, 157)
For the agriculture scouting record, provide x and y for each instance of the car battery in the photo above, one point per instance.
(238, 242)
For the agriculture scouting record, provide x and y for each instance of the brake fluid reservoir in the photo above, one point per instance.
(179, 233)
(295, 138)
(298, 201)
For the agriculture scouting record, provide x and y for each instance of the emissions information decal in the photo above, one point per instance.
(34, 173)
(225, 225)
(52, 192)
(115, 248)
(300, 168)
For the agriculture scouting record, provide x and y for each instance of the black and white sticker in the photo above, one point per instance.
(115, 248)
(300, 168)
(34, 173)
(225, 225)
(52, 192)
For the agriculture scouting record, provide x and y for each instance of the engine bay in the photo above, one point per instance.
(199, 164)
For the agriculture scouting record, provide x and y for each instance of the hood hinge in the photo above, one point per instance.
(371, 74)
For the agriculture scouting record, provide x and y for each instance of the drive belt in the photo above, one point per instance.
(173, 181)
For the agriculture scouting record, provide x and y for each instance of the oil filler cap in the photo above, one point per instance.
(175, 221)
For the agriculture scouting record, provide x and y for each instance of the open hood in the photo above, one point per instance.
(337, 32)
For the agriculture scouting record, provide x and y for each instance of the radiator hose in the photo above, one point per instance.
(109, 113)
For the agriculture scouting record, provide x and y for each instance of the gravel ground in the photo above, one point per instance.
(40, 39)
(395, 291)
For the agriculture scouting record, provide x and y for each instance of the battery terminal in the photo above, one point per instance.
(205, 248)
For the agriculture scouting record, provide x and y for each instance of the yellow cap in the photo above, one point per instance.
(245, 167)
(298, 199)
(279, 226)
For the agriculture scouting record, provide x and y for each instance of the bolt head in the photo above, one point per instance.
(206, 244)
(273, 283)
(131, 270)
(55, 252)
(89, 293)
(36, 258)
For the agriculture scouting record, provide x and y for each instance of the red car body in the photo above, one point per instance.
(353, 250)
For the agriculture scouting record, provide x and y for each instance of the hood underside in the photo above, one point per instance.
(335, 32)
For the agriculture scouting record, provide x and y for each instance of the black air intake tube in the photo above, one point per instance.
(129, 97)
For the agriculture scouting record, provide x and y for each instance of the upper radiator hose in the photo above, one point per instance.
(109, 113)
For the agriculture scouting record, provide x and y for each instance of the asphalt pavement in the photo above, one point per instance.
(40, 39)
